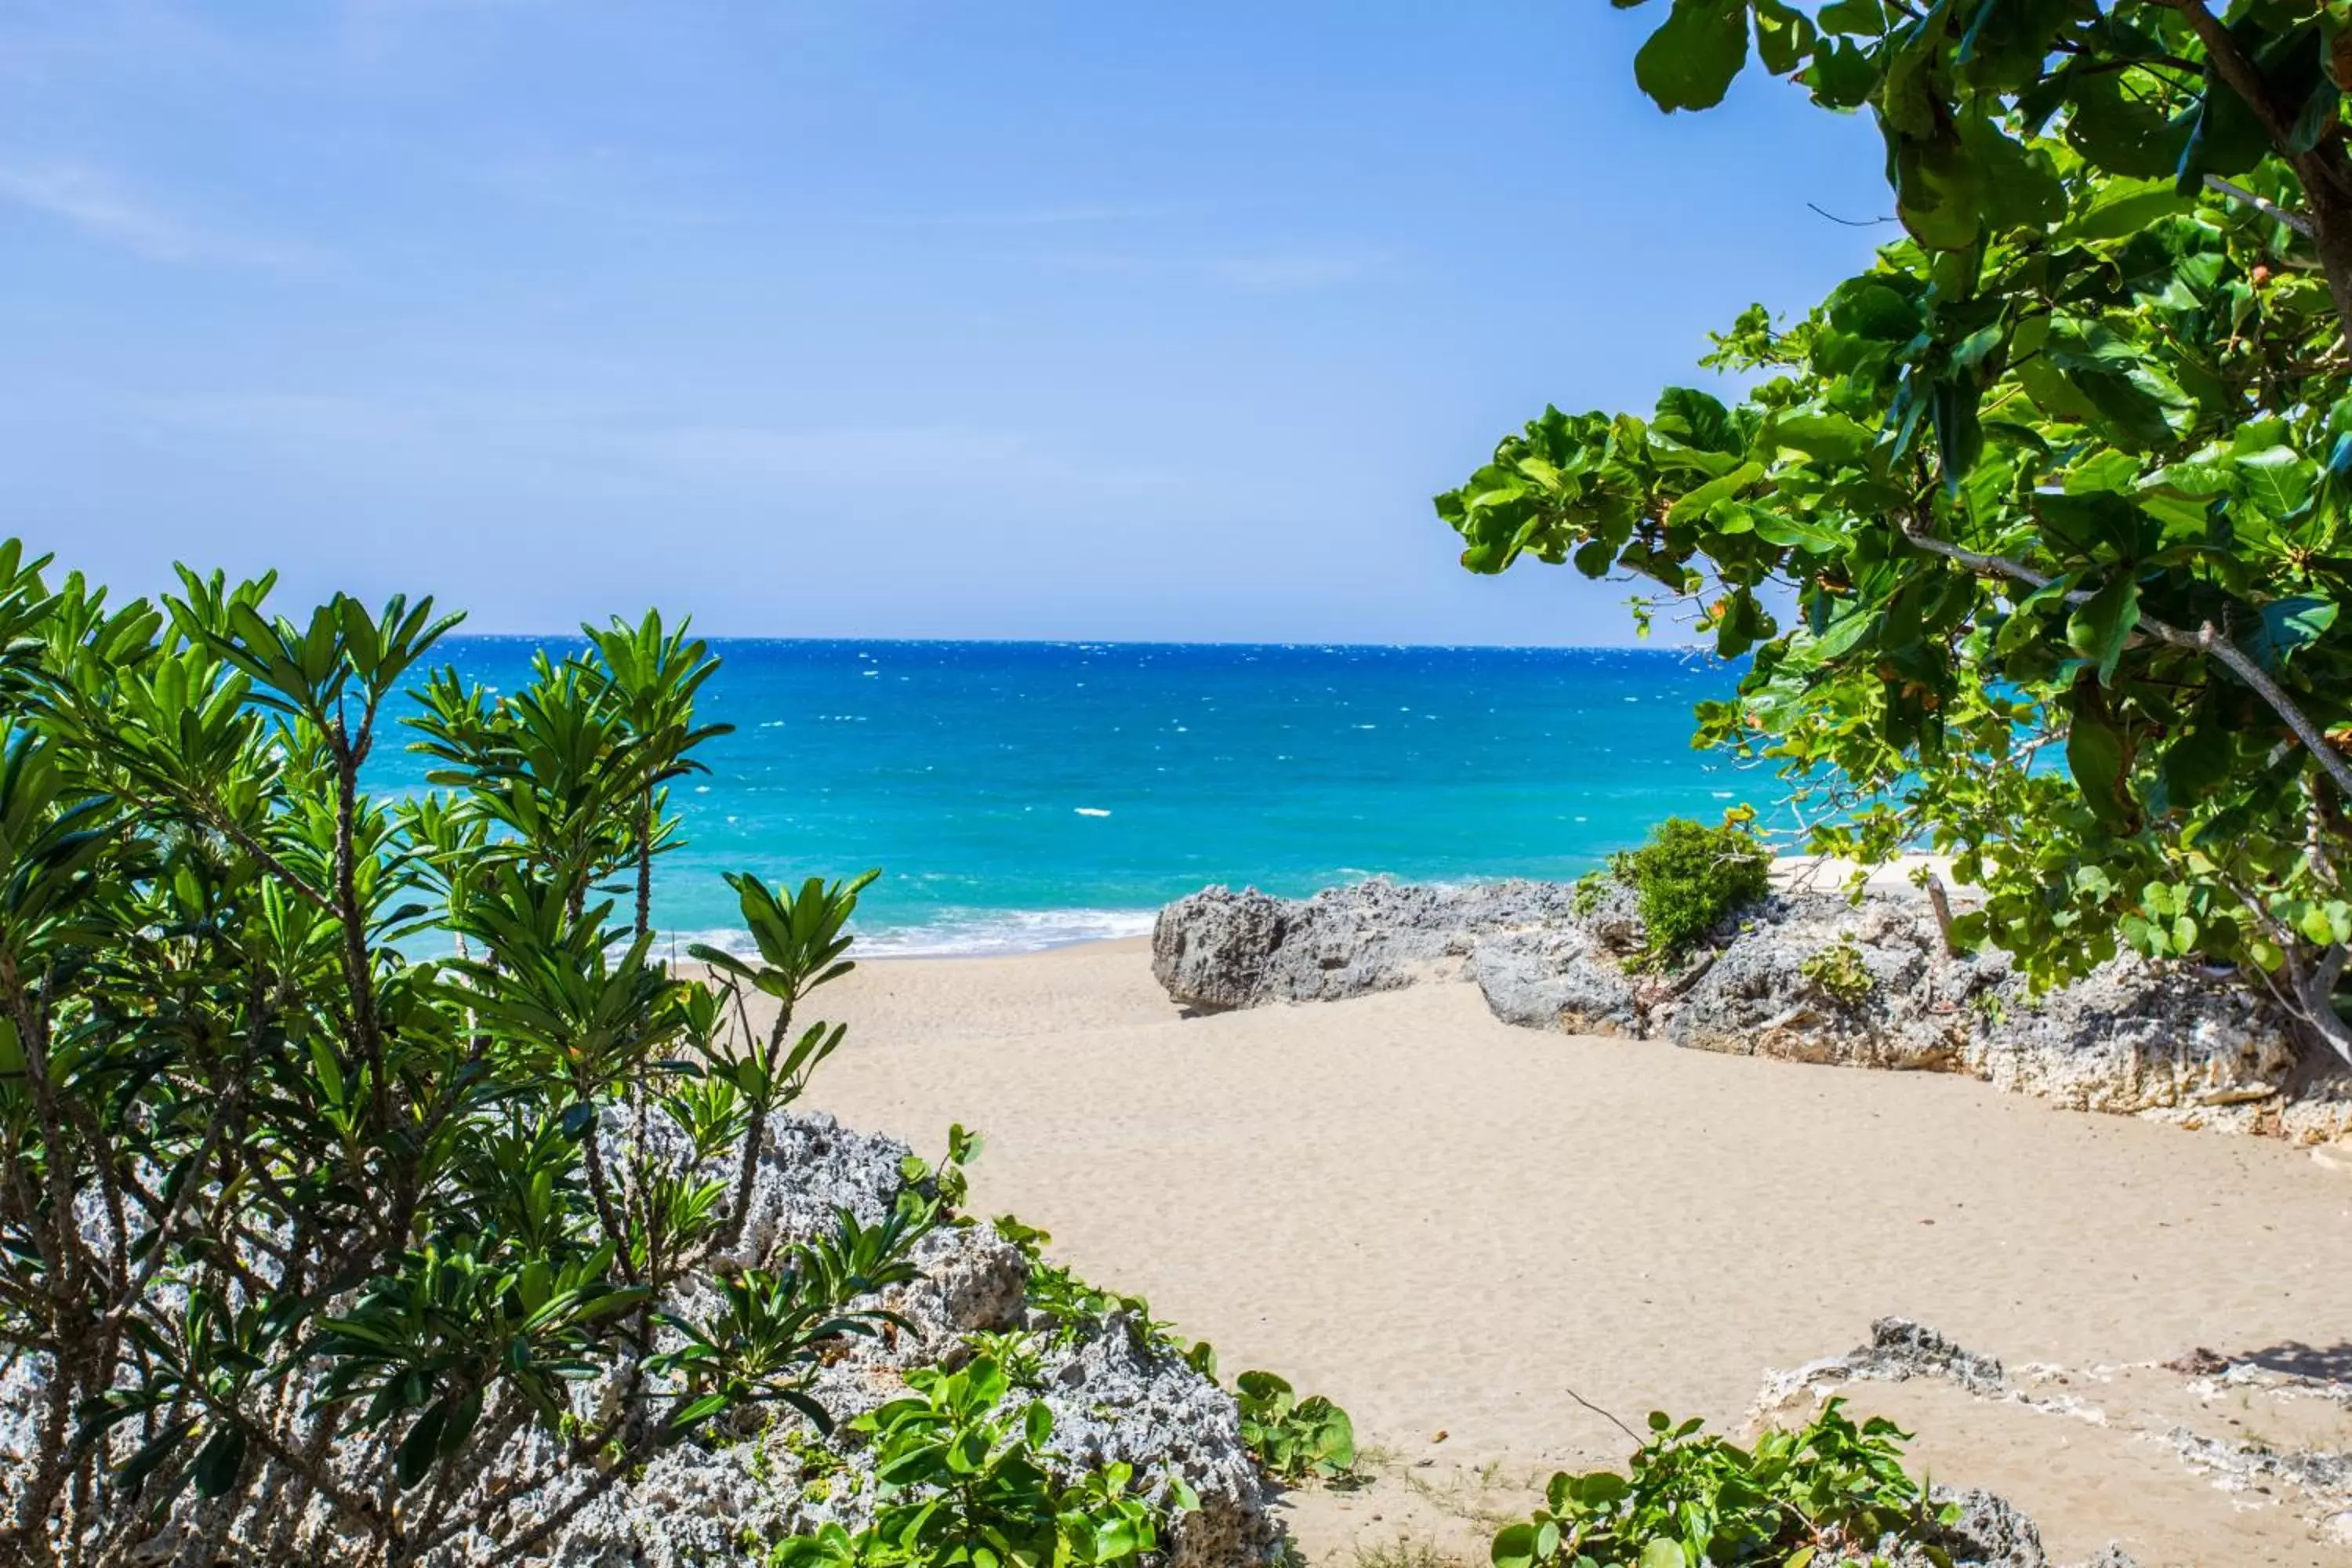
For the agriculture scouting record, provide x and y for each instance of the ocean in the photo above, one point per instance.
(1021, 795)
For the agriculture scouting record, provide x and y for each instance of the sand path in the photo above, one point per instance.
(1445, 1223)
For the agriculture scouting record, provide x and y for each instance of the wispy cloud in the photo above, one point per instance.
(104, 209)
(1261, 270)
(619, 441)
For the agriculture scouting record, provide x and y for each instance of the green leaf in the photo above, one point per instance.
(2279, 479)
(2288, 626)
(1660, 1551)
(1515, 1547)
(422, 1445)
(1828, 437)
(1784, 37)
(2095, 756)
(2121, 208)
(2102, 625)
(218, 1462)
(1689, 62)
(1694, 505)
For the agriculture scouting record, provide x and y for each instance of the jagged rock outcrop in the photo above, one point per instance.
(2202, 1407)
(725, 1500)
(2166, 1042)
(1220, 949)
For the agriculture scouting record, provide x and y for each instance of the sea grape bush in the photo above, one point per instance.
(302, 1233)
(1294, 1439)
(2035, 533)
(1688, 878)
(1832, 1490)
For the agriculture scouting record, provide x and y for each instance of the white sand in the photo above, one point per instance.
(1446, 1222)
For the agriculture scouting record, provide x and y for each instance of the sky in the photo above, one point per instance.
(865, 318)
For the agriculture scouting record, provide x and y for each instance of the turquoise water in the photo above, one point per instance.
(1019, 795)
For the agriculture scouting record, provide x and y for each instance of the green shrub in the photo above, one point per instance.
(1689, 1499)
(966, 1483)
(300, 1231)
(1689, 876)
(1294, 1438)
(1839, 972)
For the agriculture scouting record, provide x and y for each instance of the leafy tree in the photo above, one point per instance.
(2035, 532)
(304, 1239)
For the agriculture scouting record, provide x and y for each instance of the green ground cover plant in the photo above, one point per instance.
(1294, 1439)
(2035, 535)
(966, 1483)
(1689, 1499)
(1839, 972)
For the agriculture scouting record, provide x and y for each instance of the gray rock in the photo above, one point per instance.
(2135, 1036)
(2166, 1042)
(1219, 949)
(725, 1498)
(1989, 1530)
(1117, 1400)
(1755, 999)
(1898, 1351)
(1554, 979)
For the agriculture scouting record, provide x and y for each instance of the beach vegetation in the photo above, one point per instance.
(967, 1480)
(1294, 1439)
(1838, 972)
(342, 1138)
(2031, 539)
(1688, 878)
(1832, 1491)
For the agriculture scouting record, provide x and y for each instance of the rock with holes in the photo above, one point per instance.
(1219, 949)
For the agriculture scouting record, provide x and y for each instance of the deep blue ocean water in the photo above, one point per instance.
(1019, 795)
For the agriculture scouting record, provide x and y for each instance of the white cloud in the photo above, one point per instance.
(103, 209)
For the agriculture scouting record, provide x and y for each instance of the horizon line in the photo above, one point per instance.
(1333, 644)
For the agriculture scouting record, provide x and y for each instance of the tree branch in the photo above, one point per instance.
(2205, 639)
(2269, 208)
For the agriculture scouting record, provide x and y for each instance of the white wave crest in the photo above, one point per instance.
(966, 934)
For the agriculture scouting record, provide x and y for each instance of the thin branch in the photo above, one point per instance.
(1849, 222)
(2205, 639)
(2269, 208)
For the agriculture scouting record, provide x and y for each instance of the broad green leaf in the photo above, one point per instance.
(2121, 208)
(1689, 61)
(1695, 503)
(2095, 756)
(2287, 627)
(2279, 479)
(2101, 627)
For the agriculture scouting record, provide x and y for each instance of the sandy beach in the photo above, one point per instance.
(1446, 1224)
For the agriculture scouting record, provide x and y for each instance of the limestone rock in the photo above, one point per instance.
(727, 1496)
(2168, 1042)
(1219, 949)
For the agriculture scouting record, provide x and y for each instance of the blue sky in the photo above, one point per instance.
(869, 318)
